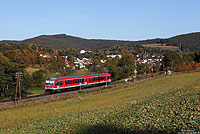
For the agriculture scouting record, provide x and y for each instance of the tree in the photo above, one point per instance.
(39, 78)
(127, 64)
(197, 56)
(7, 77)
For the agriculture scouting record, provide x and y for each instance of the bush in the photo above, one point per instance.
(197, 65)
(186, 68)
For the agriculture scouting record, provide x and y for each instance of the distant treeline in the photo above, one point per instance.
(185, 42)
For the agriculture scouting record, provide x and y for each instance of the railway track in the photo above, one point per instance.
(64, 93)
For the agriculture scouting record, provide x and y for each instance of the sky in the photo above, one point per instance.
(99, 19)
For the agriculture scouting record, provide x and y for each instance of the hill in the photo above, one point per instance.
(65, 41)
(189, 41)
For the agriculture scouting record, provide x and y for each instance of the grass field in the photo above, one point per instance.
(166, 104)
(161, 46)
(31, 70)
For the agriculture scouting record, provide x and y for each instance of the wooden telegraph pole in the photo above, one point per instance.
(135, 71)
(18, 77)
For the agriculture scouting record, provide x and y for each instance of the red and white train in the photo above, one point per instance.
(60, 83)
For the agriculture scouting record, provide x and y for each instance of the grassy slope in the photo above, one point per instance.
(123, 108)
(159, 45)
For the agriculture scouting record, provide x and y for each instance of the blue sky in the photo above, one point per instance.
(99, 19)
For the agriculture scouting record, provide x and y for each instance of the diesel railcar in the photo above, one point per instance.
(60, 83)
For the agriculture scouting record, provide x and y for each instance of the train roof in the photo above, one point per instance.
(75, 76)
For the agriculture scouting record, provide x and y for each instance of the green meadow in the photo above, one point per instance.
(161, 46)
(167, 104)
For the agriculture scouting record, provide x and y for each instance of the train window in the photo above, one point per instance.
(82, 80)
(57, 83)
(105, 77)
(60, 82)
(65, 82)
(78, 80)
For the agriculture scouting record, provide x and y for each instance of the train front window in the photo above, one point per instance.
(49, 83)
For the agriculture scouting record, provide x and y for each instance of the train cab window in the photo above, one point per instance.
(60, 82)
(57, 83)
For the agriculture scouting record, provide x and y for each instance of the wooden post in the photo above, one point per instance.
(19, 92)
(16, 88)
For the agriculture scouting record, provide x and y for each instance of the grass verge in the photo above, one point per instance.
(167, 104)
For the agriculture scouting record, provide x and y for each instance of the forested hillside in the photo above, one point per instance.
(65, 41)
(189, 41)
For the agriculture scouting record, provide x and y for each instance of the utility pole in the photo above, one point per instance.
(152, 68)
(135, 72)
(18, 77)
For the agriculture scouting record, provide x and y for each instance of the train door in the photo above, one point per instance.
(57, 84)
(66, 84)
(61, 83)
